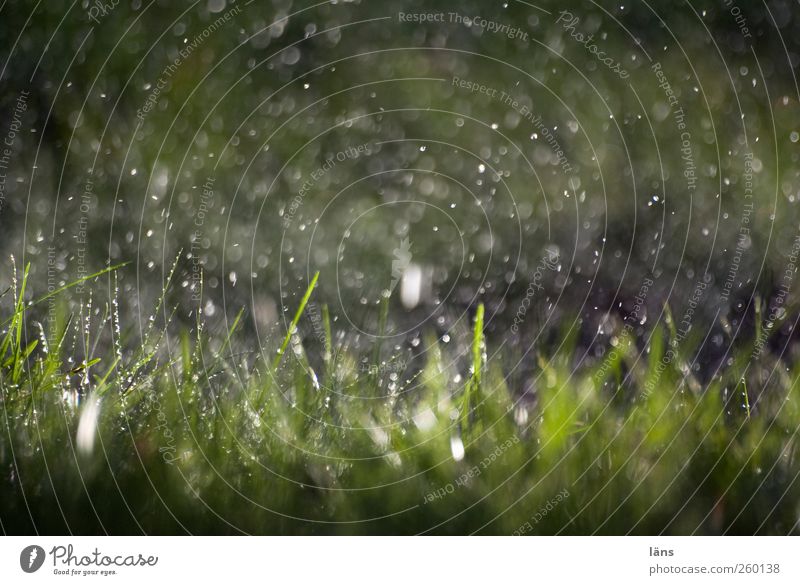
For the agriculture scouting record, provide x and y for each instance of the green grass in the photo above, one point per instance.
(295, 320)
(197, 438)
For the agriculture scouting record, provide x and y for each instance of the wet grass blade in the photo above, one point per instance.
(382, 320)
(473, 385)
(746, 399)
(295, 321)
(326, 323)
(66, 287)
(230, 332)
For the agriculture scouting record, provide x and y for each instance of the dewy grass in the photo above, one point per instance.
(472, 387)
(293, 326)
(326, 323)
(746, 399)
(182, 446)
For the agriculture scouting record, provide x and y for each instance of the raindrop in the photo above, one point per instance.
(457, 447)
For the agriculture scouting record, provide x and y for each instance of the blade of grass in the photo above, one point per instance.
(67, 287)
(326, 323)
(473, 385)
(295, 321)
(230, 333)
(163, 296)
(477, 344)
(100, 383)
(746, 399)
(19, 317)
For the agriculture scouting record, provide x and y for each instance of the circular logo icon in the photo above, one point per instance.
(31, 558)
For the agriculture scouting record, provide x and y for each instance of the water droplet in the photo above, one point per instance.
(457, 447)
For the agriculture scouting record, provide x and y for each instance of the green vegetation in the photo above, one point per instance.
(207, 443)
(399, 267)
